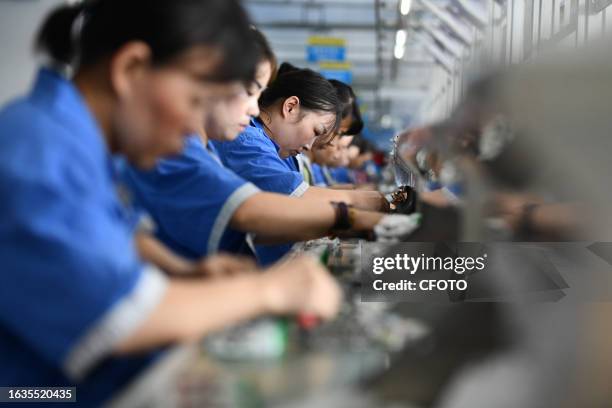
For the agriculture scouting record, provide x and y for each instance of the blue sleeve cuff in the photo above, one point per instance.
(227, 211)
(299, 190)
(117, 324)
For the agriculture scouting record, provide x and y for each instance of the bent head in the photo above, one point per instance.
(299, 107)
(334, 153)
(232, 113)
(351, 123)
(151, 69)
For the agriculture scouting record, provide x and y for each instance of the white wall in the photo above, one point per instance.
(19, 21)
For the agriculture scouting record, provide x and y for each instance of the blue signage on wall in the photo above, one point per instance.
(340, 71)
(325, 49)
(316, 53)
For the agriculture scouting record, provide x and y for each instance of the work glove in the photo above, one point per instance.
(391, 228)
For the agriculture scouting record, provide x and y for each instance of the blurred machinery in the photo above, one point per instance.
(532, 138)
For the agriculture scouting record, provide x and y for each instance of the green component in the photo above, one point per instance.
(325, 256)
(283, 334)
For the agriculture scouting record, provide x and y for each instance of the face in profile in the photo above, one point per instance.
(231, 114)
(334, 153)
(297, 128)
(326, 154)
(344, 156)
(158, 106)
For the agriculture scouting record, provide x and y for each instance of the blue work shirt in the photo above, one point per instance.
(72, 286)
(192, 198)
(136, 216)
(329, 179)
(341, 175)
(254, 156)
(317, 175)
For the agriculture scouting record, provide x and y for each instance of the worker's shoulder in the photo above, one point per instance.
(251, 138)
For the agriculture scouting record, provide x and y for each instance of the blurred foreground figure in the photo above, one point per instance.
(525, 157)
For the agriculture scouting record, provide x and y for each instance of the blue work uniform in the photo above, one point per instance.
(304, 165)
(72, 286)
(254, 156)
(341, 175)
(329, 179)
(318, 176)
(136, 216)
(191, 199)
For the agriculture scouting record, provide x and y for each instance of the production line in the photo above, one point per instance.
(298, 204)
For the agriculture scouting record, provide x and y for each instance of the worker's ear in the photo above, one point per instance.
(129, 67)
(291, 108)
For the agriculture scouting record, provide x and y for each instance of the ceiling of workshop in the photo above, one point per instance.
(383, 83)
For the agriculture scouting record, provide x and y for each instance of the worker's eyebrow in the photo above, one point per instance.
(259, 86)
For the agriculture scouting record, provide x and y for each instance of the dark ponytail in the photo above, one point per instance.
(55, 38)
(314, 92)
(349, 104)
(84, 34)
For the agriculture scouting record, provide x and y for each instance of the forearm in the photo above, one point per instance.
(275, 218)
(190, 309)
(342, 186)
(153, 251)
(366, 187)
(557, 219)
(365, 220)
(364, 200)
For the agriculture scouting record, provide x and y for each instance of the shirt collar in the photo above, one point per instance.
(212, 150)
(59, 96)
(256, 122)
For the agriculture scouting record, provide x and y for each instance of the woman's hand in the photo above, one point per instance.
(301, 285)
(220, 265)
(370, 201)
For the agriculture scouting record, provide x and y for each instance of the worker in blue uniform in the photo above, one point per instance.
(201, 207)
(299, 107)
(77, 305)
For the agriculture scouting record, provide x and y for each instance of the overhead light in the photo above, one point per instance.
(400, 44)
(399, 51)
(405, 6)
(400, 38)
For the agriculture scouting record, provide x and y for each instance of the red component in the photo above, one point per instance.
(379, 158)
(307, 321)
